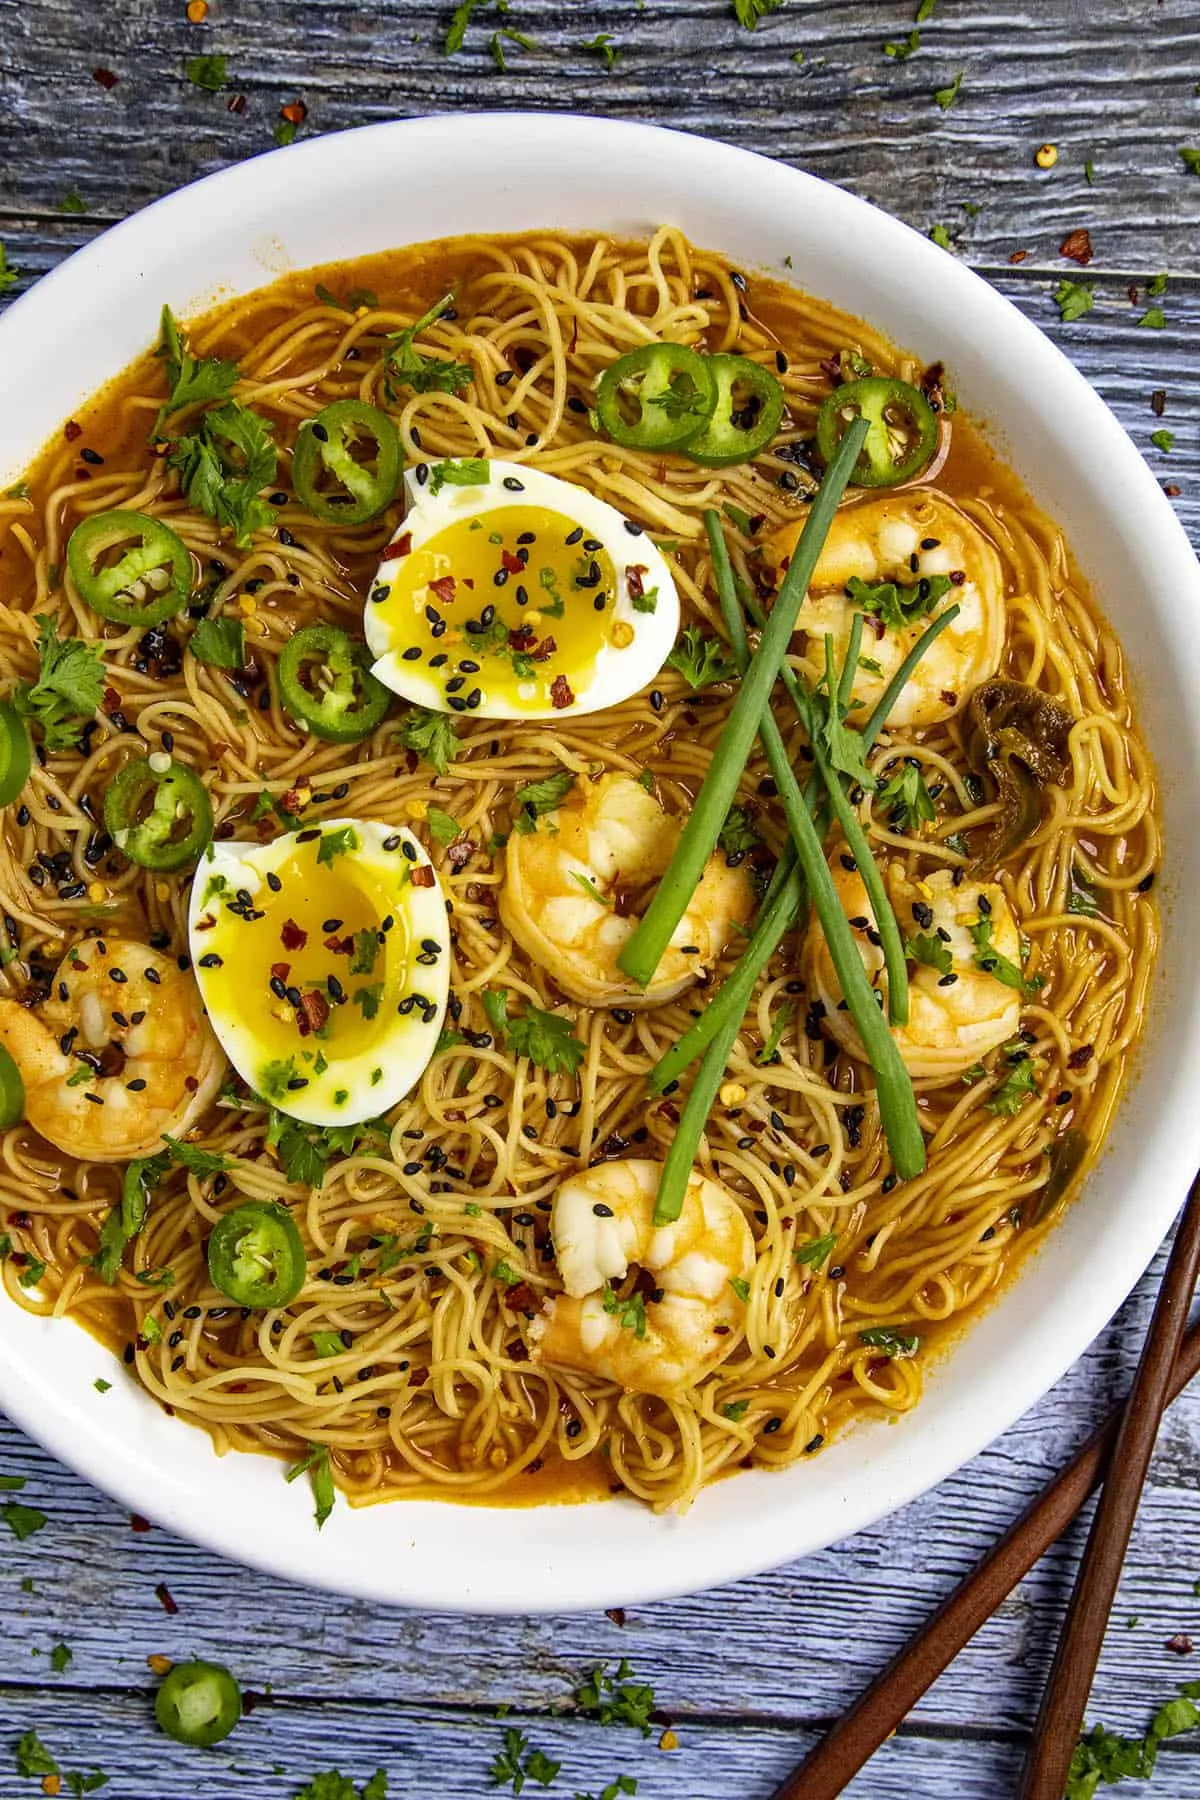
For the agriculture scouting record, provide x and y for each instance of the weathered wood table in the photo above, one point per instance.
(96, 119)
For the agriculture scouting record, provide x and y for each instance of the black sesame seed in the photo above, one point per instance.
(601, 1211)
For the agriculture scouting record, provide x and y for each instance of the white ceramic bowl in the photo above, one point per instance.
(362, 191)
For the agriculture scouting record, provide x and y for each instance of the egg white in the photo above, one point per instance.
(618, 673)
(378, 1075)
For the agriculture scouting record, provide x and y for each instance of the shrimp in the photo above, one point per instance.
(899, 539)
(131, 1024)
(573, 889)
(954, 1017)
(603, 1220)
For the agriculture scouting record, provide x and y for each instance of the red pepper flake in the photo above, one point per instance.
(105, 78)
(341, 946)
(633, 580)
(1158, 402)
(422, 875)
(523, 638)
(293, 936)
(443, 589)
(295, 112)
(1019, 256)
(1079, 1059)
(1077, 246)
(520, 1298)
(236, 104)
(399, 546)
(190, 1083)
(280, 971)
(166, 1599)
(1180, 1645)
(313, 1013)
(544, 651)
(616, 1614)
(560, 693)
(71, 431)
(112, 700)
(295, 800)
(1171, 491)
(137, 1523)
(512, 562)
(460, 854)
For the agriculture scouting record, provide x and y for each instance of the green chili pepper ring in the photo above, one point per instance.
(746, 417)
(656, 398)
(198, 1704)
(256, 1255)
(161, 817)
(150, 580)
(323, 447)
(15, 753)
(902, 435)
(325, 681)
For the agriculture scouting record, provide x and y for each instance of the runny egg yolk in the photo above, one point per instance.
(311, 963)
(515, 604)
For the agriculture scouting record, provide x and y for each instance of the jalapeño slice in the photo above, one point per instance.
(746, 416)
(325, 681)
(330, 480)
(903, 430)
(130, 568)
(160, 817)
(656, 398)
(256, 1255)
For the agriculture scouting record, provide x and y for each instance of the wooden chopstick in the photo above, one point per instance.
(1070, 1681)
(882, 1707)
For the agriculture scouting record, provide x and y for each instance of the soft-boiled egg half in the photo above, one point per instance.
(323, 960)
(512, 595)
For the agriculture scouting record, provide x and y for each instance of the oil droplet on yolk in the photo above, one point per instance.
(514, 604)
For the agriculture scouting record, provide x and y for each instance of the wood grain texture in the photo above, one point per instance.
(749, 1672)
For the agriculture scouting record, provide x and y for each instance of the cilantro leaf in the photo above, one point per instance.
(544, 1037)
(908, 799)
(336, 843)
(443, 828)
(993, 963)
(700, 660)
(191, 381)
(738, 834)
(1073, 299)
(947, 96)
(225, 464)
(316, 1466)
(192, 1157)
(749, 12)
(735, 1409)
(22, 1521)
(68, 689)
(328, 1343)
(615, 1700)
(61, 1658)
(431, 736)
(365, 953)
(1191, 160)
(208, 72)
(331, 1784)
(928, 948)
(540, 797)
(463, 471)
(404, 366)
(305, 1151)
(457, 30)
(816, 1253)
(1154, 319)
(1020, 1082)
(9, 273)
(221, 642)
(892, 1343)
(1163, 440)
(631, 1312)
(33, 1758)
(898, 603)
(603, 45)
(359, 296)
(128, 1216)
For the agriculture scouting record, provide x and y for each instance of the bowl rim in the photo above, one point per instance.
(543, 1566)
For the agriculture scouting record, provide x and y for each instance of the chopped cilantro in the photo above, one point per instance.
(740, 1287)
(993, 963)
(465, 471)
(61, 1658)
(336, 843)
(544, 1037)
(515, 1763)
(1019, 1083)
(615, 1700)
(1155, 319)
(9, 275)
(939, 233)
(68, 689)
(896, 603)
(540, 797)
(328, 1343)
(891, 1342)
(816, 1253)
(631, 1312)
(208, 72)
(749, 12)
(359, 296)
(1073, 299)
(603, 45)
(225, 464)
(72, 202)
(1163, 440)
(929, 949)
(1191, 159)
(738, 834)
(191, 381)
(365, 953)
(21, 1520)
(700, 660)
(331, 1784)
(221, 642)
(192, 1157)
(735, 1410)
(947, 96)
(645, 602)
(33, 1758)
(443, 828)
(368, 998)
(431, 736)
(404, 366)
(316, 1465)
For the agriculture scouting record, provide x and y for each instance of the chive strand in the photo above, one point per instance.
(897, 1106)
(681, 1153)
(771, 928)
(644, 950)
